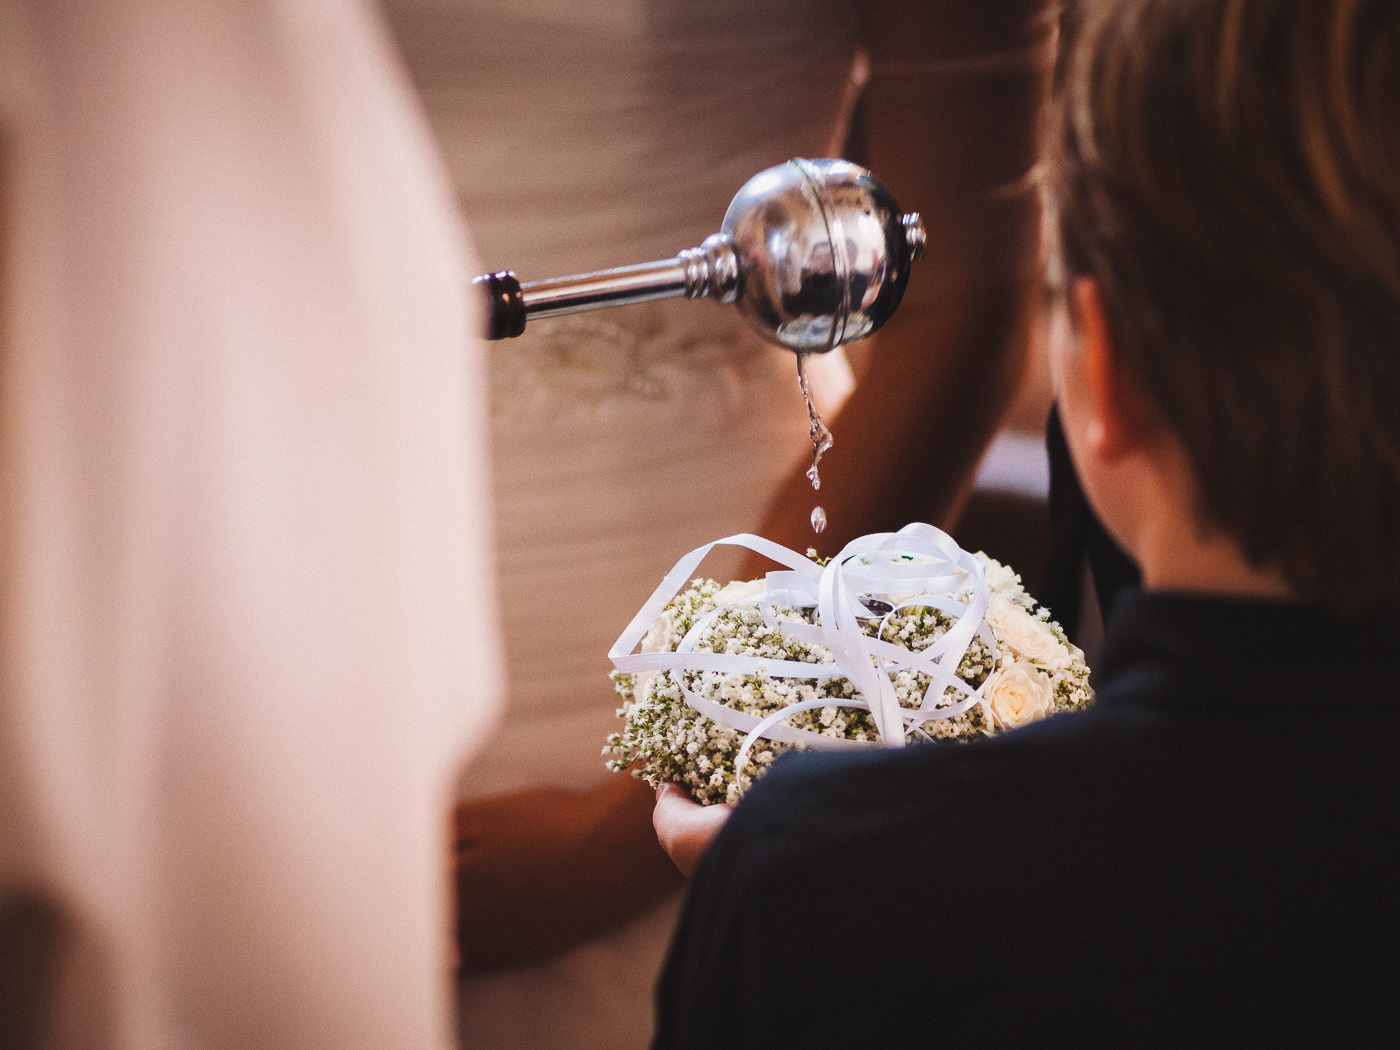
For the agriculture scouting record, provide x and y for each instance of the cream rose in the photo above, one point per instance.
(645, 684)
(1001, 579)
(1027, 636)
(738, 591)
(1016, 695)
(659, 638)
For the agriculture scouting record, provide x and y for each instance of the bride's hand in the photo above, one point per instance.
(540, 871)
(684, 827)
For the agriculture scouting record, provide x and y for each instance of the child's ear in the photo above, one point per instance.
(1119, 416)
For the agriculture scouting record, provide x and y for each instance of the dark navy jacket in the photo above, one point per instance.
(1205, 858)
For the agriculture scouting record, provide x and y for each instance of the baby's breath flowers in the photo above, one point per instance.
(975, 658)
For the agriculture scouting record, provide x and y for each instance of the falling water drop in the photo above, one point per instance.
(821, 436)
(821, 442)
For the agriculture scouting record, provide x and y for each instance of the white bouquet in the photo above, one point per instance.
(902, 637)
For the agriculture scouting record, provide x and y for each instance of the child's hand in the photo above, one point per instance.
(683, 826)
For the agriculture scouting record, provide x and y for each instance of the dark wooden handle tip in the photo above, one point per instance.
(504, 304)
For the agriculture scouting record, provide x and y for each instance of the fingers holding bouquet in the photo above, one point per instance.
(684, 827)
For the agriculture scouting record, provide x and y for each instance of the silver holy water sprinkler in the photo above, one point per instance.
(814, 253)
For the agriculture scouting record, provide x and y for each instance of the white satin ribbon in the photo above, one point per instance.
(918, 566)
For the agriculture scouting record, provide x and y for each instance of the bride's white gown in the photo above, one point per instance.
(582, 136)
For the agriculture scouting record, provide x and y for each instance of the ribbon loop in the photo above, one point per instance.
(917, 566)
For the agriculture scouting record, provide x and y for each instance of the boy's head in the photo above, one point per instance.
(1227, 172)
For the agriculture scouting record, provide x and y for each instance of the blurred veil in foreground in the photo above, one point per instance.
(243, 531)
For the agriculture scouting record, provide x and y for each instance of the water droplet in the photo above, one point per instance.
(818, 519)
(821, 436)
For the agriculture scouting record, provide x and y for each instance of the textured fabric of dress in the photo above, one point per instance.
(582, 136)
(246, 626)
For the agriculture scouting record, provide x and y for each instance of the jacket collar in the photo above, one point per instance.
(1219, 652)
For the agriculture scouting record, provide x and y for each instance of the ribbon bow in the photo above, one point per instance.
(918, 566)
